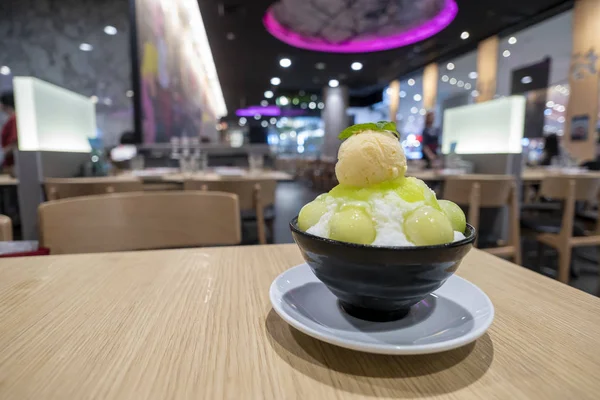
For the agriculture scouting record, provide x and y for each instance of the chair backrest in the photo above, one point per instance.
(245, 189)
(139, 221)
(494, 190)
(6, 233)
(64, 188)
(557, 187)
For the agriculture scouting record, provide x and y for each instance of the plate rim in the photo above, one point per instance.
(382, 348)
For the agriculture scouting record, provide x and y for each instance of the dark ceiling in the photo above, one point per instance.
(246, 63)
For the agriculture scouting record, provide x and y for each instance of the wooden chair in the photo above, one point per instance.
(476, 191)
(64, 188)
(139, 221)
(6, 233)
(570, 189)
(254, 195)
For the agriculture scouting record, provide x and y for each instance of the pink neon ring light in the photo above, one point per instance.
(411, 36)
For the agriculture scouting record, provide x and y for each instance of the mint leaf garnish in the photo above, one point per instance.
(381, 126)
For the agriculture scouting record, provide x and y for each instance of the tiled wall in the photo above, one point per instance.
(41, 38)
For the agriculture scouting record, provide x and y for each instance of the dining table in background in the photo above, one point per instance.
(198, 324)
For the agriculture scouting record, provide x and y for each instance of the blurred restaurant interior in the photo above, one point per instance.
(155, 151)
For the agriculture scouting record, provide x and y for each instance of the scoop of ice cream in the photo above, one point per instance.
(370, 157)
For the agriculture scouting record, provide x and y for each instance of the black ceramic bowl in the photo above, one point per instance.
(380, 283)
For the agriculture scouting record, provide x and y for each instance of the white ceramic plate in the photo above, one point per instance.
(454, 315)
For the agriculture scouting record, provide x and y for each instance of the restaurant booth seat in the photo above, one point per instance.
(477, 191)
(139, 221)
(256, 198)
(564, 233)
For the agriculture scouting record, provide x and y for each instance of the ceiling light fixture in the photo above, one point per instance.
(230, 36)
(264, 124)
(445, 78)
(460, 84)
(411, 82)
(356, 66)
(414, 110)
(402, 94)
(506, 53)
(334, 83)
(94, 99)
(312, 105)
(464, 35)
(284, 101)
(474, 93)
(422, 111)
(243, 121)
(526, 80)
(321, 105)
(269, 94)
(257, 116)
(467, 86)
(264, 103)
(512, 40)
(417, 97)
(86, 47)
(550, 104)
(275, 81)
(303, 106)
(4, 70)
(473, 75)
(110, 30)
(273, 121)
(285, 62)
(320, 65)
(450, 66)
(453, 81)
(129, 93)
(561, 119)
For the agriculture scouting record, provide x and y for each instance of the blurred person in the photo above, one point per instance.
(430, 140)
(9, 131)
(551, 150)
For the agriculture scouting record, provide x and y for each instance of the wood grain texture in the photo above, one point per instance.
(198, 324)
(139, 221)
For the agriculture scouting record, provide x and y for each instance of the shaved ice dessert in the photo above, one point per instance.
(375, 203)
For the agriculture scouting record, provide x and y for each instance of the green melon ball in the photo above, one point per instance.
(411, 190)
(353, 225)
(427, 226)
(455, 215)
(311, 213)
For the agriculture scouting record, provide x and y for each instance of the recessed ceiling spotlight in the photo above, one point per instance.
(356, 66)
(512, 40)
(264, 103)
(453, 81)
(422, 111)
(269, 94)
(467, 86)
(561, 119)
(474, 93)
(275, 81)
(4, 70)
(264, 124)
(313, 97)
(460, 84)
(414, 110)
(321, 105)
(86, 47)
(550, 104)
(295, 101)
(402, 94)
(411, 82)
(450, 66)
(107, 101)
(129, 93)
(243, 121)
(257, 116)
(320, 65)
(94, 99)
(445, 78)
(417, 97)
(285, 62)
(273, 121)
(464, 35)
(506, 53)
(334, 83)
(526, 80)
(230, 36)
(110, 30)
(303, 106)
(312, 105)
(284, 101)
(473, 75)
(547, 112)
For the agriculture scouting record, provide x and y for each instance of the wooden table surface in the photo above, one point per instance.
(529, 175)
(7, 180)
(214, 176)
(198, 324)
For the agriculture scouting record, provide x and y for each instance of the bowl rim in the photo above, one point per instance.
(467, 240)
